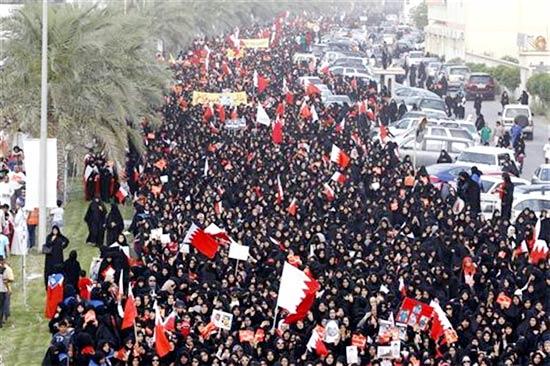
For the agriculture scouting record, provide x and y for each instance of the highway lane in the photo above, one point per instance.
(533, 149)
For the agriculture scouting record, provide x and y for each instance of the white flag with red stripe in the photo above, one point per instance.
(339, 156)
(339, 177)
(292, 288)
(539, 252)
(328, 191)
(316, 342)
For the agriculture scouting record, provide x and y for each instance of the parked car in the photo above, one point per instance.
(456, 76)
(486, 158)
(533, 188)
(429, 149)
(541, 175)
(434, 105)
(432, 69)
(414, 58)
(489, 197)
(409, 94)
(512, 111)
(355, 62)
(533, 201)
(336, 99)
(305, 80)
(446, 172)
(303, 57)
(480, 83)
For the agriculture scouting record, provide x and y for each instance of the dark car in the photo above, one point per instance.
(480, 83)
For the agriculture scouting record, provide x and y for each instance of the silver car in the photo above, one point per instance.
(436, 139)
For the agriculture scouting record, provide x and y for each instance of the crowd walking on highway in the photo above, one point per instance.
(313, 189)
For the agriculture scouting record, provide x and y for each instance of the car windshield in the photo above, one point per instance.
(432, 104)
(403, 124)
(434, 65)
(458, 71)
(514, 112)
(477, 158)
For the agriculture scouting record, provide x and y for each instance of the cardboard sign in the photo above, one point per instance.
(389, 352)
(414, 312)
(165, 238)
(238, 251)
(164, 179)
(352, 355)
(185, 249)
(246, 336)
(156, 234)
(222, 319)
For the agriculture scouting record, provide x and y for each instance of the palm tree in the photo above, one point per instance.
(102, 75)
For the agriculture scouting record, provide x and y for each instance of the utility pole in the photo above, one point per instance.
(42, 214)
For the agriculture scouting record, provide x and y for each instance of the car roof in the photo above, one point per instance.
(532, 195)
(498, 178)
(479, 74)
(544, 166)
(507, 106)
(489, 150)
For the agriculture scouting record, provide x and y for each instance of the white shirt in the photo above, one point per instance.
(57, 214)
(6, 191)
(546, 149)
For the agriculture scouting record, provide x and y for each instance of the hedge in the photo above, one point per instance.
(539, 85)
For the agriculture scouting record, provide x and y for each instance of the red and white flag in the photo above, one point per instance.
(339, 156)
(441, 326)
(316, 342)
(277, 132)
(162, 344)
(121, 195)
(280, 193)
(305, 111)
(203, 242)
(539, 252)
(311, 89)
(297, 292)
(218, 233)
(328, 191)
(291, 209)
(339, 177)
(130, 310)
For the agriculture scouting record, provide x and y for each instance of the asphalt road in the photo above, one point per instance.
(533, 149)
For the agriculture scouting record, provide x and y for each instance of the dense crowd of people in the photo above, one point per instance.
(376, 234)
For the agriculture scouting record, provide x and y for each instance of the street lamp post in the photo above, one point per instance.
(42, 214)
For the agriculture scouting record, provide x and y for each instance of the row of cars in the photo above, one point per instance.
(459, 138)
(534, 194)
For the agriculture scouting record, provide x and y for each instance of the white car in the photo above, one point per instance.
(487, 158)
(414, 58)
(305, 80)
(433, 68)
(541, 175)
(490, 198)
(533, 201)
(511, 111)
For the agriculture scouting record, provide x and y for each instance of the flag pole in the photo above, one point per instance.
(236, 267)
(43, 130)
(275, 318)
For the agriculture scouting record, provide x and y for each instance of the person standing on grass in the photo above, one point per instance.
(6, 279)
(32, 223)
(114, 224)
(56, 214)
(55, 243)
(71, 270)
(95, 219)
(19, 245)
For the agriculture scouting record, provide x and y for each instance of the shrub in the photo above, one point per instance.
(539, 85)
